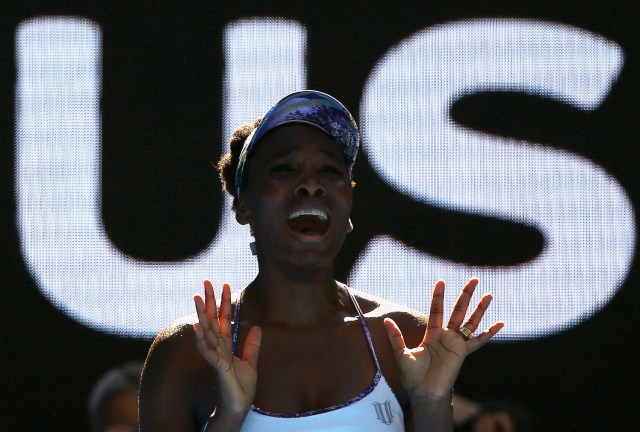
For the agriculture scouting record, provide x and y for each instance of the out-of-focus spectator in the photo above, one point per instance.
(497, 416)
(113, 404)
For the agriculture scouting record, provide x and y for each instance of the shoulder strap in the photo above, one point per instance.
(365, 328)
(235, 324)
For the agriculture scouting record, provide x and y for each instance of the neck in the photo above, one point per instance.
(299, 297)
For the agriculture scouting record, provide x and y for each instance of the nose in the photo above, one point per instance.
(310, 187)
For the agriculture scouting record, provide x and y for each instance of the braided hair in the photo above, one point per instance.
(228, 163)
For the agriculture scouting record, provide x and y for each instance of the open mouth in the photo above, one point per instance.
(308, 223)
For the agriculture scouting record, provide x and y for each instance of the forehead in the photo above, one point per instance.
(287, 139)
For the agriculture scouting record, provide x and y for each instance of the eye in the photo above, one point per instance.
(331, 169)
(282, 168)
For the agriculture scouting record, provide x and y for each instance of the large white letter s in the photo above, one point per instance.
(584, 214)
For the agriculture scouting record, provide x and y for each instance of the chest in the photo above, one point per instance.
(305, 370)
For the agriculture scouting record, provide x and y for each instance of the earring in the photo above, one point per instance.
(252, 245)
(350, 226)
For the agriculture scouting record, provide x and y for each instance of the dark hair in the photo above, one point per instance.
(228, 163)
(115, 381)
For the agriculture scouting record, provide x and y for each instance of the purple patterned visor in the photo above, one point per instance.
(310, 107)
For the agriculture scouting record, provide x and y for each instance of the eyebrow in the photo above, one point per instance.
(290, 150)
(282, 153)
(332, 155)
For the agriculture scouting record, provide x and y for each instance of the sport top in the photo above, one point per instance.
(376, 409)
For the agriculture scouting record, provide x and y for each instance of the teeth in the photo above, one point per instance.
(309, 212)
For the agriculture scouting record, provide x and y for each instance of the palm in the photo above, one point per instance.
(432, 367)
(237, 376)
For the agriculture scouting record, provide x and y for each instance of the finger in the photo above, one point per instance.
(251, 347)
(203, 327)
(437, 306)
(475, 318)
(200, 338)
(211, 337)
(484, 337)
(209, 353)
(395, 337)
(224, 317)
(210, 300)
(201, 311)
(212, 308)
(460, 308)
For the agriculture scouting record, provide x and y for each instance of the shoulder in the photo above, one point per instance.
(172, 353)
(172, 379)
(412, 323)
(177, 339)
(177, 344)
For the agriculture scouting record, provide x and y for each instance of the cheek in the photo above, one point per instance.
(265, 187)
(347, 199)
(266, 214)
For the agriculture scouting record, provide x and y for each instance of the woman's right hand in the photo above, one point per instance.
(236, 377)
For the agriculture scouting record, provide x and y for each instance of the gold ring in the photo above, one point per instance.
(465, 332)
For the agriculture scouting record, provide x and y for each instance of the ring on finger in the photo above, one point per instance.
(466, 333)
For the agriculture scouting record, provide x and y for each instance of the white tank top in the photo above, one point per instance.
(376, 409)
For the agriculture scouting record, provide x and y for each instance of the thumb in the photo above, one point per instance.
(252, 346)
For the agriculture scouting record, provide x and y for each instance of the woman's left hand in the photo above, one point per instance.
(430, 369)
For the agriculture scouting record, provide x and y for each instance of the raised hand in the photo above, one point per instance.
(430, 369)
(236, 377)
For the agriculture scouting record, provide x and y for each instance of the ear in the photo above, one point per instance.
(242, 210)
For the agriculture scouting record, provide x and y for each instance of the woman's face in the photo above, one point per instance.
(298, 196)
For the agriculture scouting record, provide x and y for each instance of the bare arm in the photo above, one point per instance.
(166, 388)
(185, 355)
